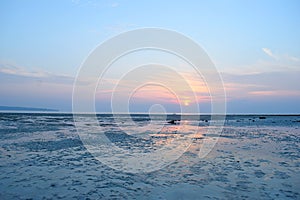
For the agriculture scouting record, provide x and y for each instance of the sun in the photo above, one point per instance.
(186, 103)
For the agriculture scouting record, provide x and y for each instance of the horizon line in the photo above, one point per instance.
(137, 113)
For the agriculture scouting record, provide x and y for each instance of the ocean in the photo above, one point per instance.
(45, 156)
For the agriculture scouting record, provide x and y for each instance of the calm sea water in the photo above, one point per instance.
(43, 157)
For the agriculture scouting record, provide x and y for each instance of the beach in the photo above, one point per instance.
(43, 157)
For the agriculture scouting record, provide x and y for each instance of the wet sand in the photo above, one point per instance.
(42, 157)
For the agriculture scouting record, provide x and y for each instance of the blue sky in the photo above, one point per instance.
(254, 44)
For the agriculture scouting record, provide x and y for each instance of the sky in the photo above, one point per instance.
(255, 45)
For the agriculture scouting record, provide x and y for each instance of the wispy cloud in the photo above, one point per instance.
(269, 53)
(23, 87)
(19, 71)
(275, 93)
(262, 85)
(281, 58)
(278, 63)
(292, 58)
(160, 84)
